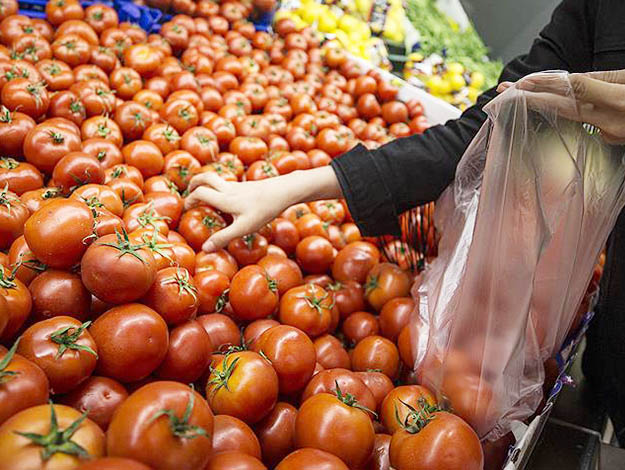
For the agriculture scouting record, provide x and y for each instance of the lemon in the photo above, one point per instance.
(342, 36)
(472, 94)
(310, 12)
(456, 81)
(438, 85)
(455, 67)
(477, 80)
(328, 22)
(348, 23)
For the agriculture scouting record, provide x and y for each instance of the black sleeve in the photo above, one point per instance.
(381, 184)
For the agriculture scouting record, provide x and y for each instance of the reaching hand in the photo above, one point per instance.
(600, 99)
(253, 204)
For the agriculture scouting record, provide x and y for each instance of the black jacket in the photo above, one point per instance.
(583, 35)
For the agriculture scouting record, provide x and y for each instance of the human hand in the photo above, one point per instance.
(600, 99)
(253, 204)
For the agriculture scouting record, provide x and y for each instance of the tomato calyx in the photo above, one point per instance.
(53, 69)
(9, 163)
(7, 281)
(57, 137)
(222, 300)
(335, 287)
(6, 199)
(416, 419)
(372, 284)
(126, 202)
(220, 378)
(32, 264)
(50, 193)
(6, 375)
(98, 15)
(181, 278)
(5, 115)
(66, 339)
(316, 302)
(180, 427)
(211, 222)
(35, 90)
(149, 216)
(124, 246)
(184, 113)
(58, 441)
(350, 400)
(77, 108)
(171, 135)
(152, 243)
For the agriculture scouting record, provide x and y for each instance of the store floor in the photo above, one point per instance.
(578, 434)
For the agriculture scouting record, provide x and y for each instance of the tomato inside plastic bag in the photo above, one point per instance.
(534, 199)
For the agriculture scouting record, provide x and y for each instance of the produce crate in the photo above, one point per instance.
(148, 18)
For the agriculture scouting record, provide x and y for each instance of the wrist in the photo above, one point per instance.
(312, 185)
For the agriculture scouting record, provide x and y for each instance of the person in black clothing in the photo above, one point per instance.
(584, 36)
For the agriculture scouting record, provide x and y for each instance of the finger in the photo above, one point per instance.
(597, 92)
(551, 104)
(545, 83)
(221, 238)
(503, 86)
(610, 76)
(208, 178)
(206, 195)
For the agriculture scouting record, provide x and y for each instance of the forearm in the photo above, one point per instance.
(311, 185)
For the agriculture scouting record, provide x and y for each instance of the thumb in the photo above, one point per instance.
(610, 76)
(222, 237)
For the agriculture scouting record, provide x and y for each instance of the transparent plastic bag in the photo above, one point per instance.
(533, 202)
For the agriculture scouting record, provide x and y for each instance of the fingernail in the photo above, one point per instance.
(208, 246)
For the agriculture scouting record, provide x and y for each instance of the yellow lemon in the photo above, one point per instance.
(477, 80)
(348, 23)
(328, 23)
(455, 67)
(456, 81)
(472, 94)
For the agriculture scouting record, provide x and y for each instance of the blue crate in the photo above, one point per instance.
(263, 21)
(148, 18)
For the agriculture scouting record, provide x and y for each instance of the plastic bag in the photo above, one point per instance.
(533, 202)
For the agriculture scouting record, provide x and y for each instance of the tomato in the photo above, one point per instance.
(444, 441)
(23, 383)
(165, 425)
(98, 99)
(314, 254)
(17, 305)
(113, 463)
(379, 384)
(101, 17)
(124, 171)
(19, 177)
(27, 96)
(234, 461)
(168, 203)
(471, 396)
(198, 224)
(337, 425)
(46, 144)
(63, 349)
(173, 295)
(71, 49)
(376, 353)
(57, 232)
(354, 262)
(307, 307)
(292, 355)
(276, 433)
(253, 294)
(180, 114)
(223, 129)
(384, 282)
(76, 169)
(285, 234)
(99, 397)
(418, 124)
(132, 341)
(348, 297)
(219, 260)
(284, 271)
(13, 129)
(56, 293)
(233, 163)
(230, 434)
(180, 166)
(244, 385)
(395, 314)
(105, 58)
(221, 330)
(188, 355)
(309, 225)
(128, 191)
(359, 325)
(97, 194)
(67, 105)
(144, 215)
(365, 84)
(410, 394)
(49, 436)
(311, 459)
(248, 249)
(211, 290)
(254, 330)
(330, 353)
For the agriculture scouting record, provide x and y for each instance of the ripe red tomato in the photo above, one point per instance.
(212, 287)
(284, 234)
(165, 425)
(379, 384)
(17, 305)
(188, 355)
(348, 297)
(230, 434)
(336, 424)
(445, 440)
(31, 438)
(292, 355)
(355, 261)
(284, 271)
(309, 308)
(58, 232)
(331, 353)
(314, 254)
(311, 459)
(19, 177)
(221, 330)
(27, 96)
(248, 249)
(132, 341)
(360, 325)
(198, 224)
(55, 293)
(234, 460)
(276, 433)
(77, 169)
(410, 394)
(23, 385)
(326, 380)
(63, 349)
(113, 463)
(244, 385)
(99, 397)
(117, 270)
(384, 282)
(395, 314)
(253, 294)
(173, 295)
(13, 129)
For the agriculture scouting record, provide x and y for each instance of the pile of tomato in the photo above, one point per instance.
(124, 346)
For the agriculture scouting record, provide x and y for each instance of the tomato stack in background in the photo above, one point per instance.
(287, 350)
